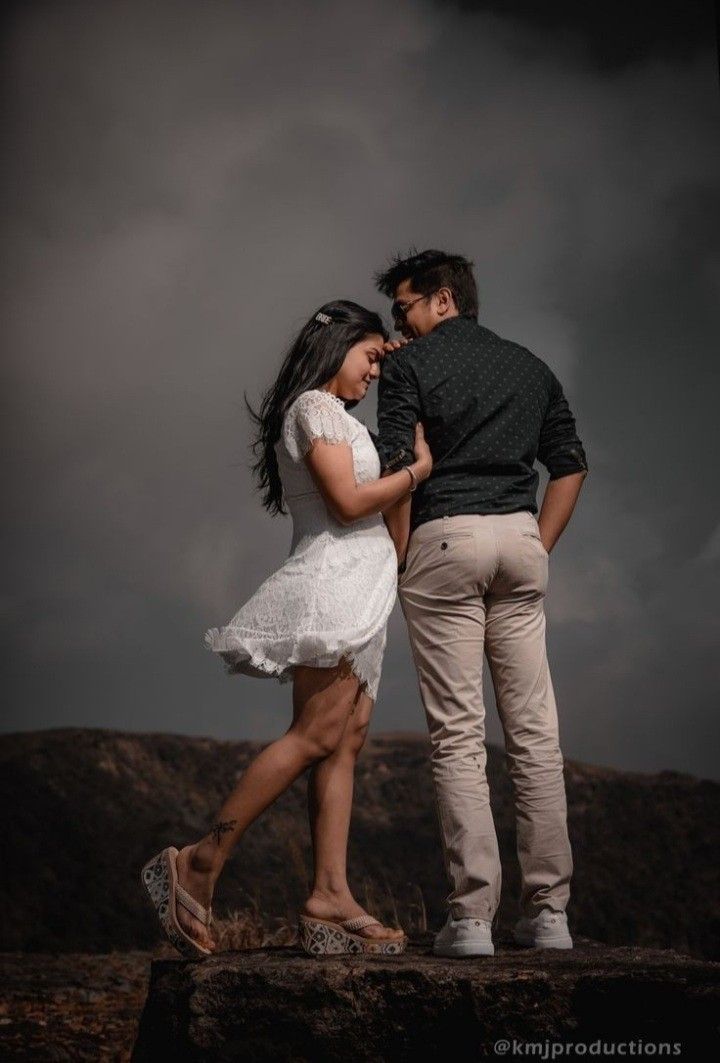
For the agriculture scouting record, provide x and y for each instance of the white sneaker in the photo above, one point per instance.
(464, 937)
(546, 930)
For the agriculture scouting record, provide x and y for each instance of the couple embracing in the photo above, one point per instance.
(439, 508)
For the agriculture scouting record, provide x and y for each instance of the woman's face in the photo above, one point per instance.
(361, 367)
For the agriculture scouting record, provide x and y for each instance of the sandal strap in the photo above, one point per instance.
(359, 922)
(193, 906)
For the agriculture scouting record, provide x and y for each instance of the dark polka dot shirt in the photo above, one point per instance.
(490, 409)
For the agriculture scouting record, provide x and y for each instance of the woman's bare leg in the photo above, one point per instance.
(330, 795)
(322, 700)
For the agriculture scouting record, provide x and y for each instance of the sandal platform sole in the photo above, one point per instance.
(320, 938)
(159, 880)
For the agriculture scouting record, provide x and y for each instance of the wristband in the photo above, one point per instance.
(395, 462)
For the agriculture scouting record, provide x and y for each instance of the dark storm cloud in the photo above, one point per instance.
(615, 33)
(187, 182)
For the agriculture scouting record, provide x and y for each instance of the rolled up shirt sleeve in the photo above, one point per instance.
(398, 412)
(559, 448)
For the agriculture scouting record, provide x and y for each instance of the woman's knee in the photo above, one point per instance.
(319, 741)
(354, 736)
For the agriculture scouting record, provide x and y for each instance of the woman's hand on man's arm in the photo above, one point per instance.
(331, 467)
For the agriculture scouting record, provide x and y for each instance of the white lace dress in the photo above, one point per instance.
(333, 595)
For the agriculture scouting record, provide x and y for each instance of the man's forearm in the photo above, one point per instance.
(557, 507)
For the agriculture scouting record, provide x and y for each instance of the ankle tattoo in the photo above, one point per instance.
(222, 828)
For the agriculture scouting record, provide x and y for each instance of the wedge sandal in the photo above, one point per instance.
(323, 937)
(160, 880)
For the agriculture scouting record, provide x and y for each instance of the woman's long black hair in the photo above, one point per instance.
(314, 357)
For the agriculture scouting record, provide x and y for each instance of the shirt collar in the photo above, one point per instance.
(460, 321)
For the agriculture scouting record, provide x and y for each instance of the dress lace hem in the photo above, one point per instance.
(241, 660)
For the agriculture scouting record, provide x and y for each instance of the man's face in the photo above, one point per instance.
(421, 313)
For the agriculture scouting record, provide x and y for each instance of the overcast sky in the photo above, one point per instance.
(185, 182)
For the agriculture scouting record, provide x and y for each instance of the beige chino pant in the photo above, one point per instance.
(474, 584)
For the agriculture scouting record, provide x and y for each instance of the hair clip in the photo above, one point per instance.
(324, 318)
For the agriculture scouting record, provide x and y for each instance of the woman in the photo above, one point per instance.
(320, 621)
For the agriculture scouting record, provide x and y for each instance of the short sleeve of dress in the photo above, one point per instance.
(315, 415)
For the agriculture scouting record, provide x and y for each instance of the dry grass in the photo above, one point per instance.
(249, 928)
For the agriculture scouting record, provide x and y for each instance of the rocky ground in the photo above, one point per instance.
(86, 1006)
(277, 1003)
(72, 1006)
(272, 1004)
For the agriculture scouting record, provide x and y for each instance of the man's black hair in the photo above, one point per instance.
(430, 270)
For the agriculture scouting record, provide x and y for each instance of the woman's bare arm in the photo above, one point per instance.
(331, 467)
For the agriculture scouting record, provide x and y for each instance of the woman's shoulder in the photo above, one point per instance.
(316, 414)
(317, 405)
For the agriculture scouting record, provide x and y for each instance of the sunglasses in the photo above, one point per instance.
(399, 310)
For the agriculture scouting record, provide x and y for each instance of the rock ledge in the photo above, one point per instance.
(279, 1004)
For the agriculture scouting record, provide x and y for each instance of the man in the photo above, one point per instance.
(472, 580)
